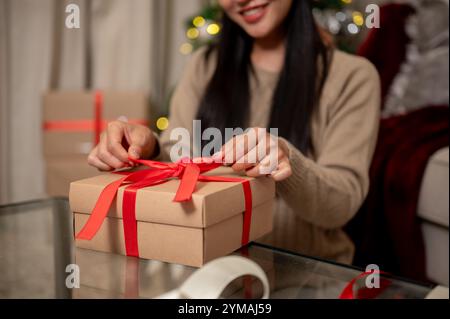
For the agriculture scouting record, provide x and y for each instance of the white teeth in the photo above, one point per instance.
(252, 11)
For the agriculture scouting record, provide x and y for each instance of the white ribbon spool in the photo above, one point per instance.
(211, 280)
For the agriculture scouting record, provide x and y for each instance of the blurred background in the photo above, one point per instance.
(134, 51)
(135, 45)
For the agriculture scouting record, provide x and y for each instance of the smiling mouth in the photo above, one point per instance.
(253, 14)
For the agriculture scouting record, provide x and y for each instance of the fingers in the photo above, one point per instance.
(236, 148)
(199, 160)
(135, 151)
(141, 141)
(279, 170)
(236, 145)
(266, 157)
(247, 151)
(267, 165)
(111, 152)
(266, 145)
(106, 157)
(114, 137)
(93, 160)
(284, 170)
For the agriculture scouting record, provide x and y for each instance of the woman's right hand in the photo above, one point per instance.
(120, 141)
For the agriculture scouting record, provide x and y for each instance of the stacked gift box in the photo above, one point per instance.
(72, 123)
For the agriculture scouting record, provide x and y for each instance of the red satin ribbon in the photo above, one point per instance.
(247, 280)
(364, 293)
(97, 125)
(81, 125)
(189, 174)
(98, 110)
(132, 270)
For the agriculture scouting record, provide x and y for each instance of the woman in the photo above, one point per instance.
(271, 68)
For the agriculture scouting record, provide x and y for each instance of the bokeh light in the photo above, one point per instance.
(192, 33)
(213, 29)
(198, 21)
(186, 48)
(358, 18)
(352, 28)
(162, 123)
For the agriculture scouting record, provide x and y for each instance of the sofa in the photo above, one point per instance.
(433, 211)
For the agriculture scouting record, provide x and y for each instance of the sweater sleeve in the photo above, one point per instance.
(329, 190)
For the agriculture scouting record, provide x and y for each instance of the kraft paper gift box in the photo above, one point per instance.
(72, 122)
(193, 232)
(62, 170)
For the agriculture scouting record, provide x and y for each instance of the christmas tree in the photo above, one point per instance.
(340, 21)
(334, 16)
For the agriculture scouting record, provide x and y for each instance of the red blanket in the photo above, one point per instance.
(386, 230)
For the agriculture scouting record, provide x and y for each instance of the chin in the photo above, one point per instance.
(257, 32)
(261, 18)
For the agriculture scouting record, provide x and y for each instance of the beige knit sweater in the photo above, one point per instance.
(329, 184)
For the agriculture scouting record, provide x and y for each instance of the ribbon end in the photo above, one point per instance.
(82, 236)
(180, 199)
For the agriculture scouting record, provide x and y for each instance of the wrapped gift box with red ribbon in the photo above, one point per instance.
(181, 213)
(72, 123)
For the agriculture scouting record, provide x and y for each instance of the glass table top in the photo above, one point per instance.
(37, 256)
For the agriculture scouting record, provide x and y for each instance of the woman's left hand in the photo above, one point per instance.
(258, 153)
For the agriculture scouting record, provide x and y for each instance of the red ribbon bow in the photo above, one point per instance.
(189, 174)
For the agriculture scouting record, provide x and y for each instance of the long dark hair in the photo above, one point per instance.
(226, 101)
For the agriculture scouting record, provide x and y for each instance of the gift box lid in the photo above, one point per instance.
(211, 202)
